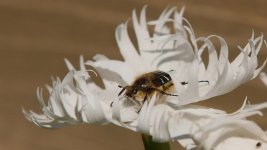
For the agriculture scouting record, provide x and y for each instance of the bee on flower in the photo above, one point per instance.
(153, 88)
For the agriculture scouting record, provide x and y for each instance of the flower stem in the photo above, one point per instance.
(151, 145)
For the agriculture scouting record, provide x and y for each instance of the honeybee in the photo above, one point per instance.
(148, 84)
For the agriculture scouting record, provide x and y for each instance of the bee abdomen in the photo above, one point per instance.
(161, 78)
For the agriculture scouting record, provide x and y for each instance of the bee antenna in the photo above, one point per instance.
(123, 89)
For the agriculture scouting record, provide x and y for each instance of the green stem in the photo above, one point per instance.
(151, 145)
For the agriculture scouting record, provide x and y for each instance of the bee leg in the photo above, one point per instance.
(162, 92)
(184, 83)
(145, 98)
(139, 110)
(122, 90)
(205, 81)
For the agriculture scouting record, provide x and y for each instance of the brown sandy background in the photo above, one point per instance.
(35, 36)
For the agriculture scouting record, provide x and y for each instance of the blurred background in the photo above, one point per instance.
(36, 35)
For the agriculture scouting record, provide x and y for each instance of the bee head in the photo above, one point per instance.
(131, 91)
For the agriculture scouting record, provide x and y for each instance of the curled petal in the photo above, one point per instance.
(263, 78)
(225, 129)
(70, 103)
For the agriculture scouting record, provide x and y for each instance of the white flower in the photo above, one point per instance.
(174, 50)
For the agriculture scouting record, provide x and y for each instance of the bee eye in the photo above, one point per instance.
(135, 91)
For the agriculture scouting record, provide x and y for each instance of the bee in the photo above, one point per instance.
(147, 85)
